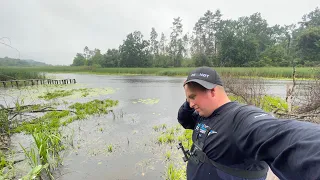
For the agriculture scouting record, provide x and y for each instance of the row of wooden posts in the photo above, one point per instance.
(33, 82)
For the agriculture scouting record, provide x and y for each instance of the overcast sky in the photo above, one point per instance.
(54, 31)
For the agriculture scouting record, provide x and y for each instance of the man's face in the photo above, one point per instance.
(199, 100)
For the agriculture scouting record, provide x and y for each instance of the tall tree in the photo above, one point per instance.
(154, 44)
(312, 19)
(176, 42)
(111, 58)
(134, 51)
(97, 58)
(163, 45)
(79, 60)
(309, 44)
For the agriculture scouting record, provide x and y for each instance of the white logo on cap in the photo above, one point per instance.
(200, 74)
(204, 75)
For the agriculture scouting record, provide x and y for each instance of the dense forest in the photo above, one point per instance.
(215, 41)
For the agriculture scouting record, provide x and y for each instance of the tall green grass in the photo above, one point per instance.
(7, 74)
(45, 154)
(267, 72)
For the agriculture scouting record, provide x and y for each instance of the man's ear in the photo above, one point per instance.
(212, 92)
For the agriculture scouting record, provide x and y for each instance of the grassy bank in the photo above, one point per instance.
(7, 74)
(266, 72)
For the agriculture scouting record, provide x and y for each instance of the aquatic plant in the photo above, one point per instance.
(147, 101)
(168, 155)
(110, 148)
(174, 173)
(45, 153)
(56, 94)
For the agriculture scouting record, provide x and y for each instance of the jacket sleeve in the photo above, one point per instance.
(290, 147)
(187, 116)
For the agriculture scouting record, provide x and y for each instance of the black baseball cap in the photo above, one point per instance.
(205, 76)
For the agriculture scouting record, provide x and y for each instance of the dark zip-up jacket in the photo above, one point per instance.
(244, 137)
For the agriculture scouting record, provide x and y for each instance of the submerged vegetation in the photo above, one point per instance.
(147, 101)
(44, 154)
(51, 121)
(175, 168)
(75, 93)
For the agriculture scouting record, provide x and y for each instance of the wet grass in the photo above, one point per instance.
(45, 153)
(45, 128)
(6, 167)
(56, 94)
(48, 141)
(51, 121)
(7, 74)
(168, 155)
(172, 136)
(93, 107)
(174, 173)
(3, 160)
(267, 72)
(4, 122)
(110, 148)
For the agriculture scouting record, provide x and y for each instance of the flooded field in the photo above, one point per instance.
(120, 143)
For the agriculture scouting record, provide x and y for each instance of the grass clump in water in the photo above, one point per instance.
(3, 160)
(93, 107)
(57, 94)
(147, 101)
(53, 120)
(49, 122)
(173, 173)
(174, 134)
(45, 153)
(76, 93)
(110, 148)
(159, 127)
(168, 155)
(44, 156)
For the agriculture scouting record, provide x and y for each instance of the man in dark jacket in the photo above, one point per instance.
(232, 141)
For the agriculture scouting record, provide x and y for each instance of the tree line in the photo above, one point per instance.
(246, 42)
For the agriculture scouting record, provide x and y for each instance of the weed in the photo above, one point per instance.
(110, 148)
(45, 154)
(172, 173)
(93, 107)
(168, 155)
(9, 73)
(56, 94)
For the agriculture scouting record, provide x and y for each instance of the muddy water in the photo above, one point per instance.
(135, 155)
